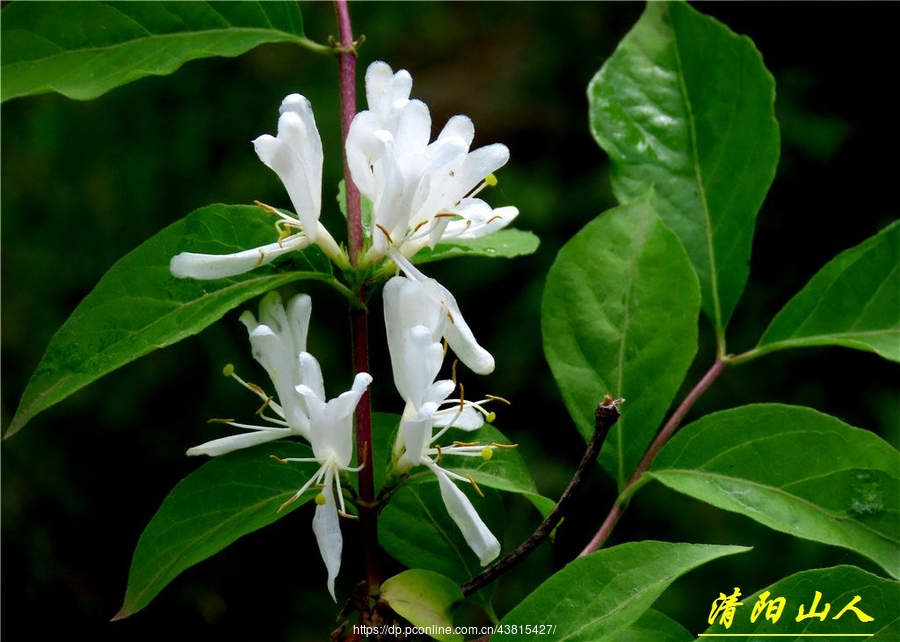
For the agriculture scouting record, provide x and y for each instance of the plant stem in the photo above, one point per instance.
(664, 435)
(606, 415)
(347, 63)
(368, 513)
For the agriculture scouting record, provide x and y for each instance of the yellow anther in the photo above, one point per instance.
(491, 180)
(321, 500)
(385, 232)
(439, 452)
(219, 421)
(262, 256)
(264, 406)
(419, 226)
(268, 208)
(486, 453)
(228, 370)
(279, 459)
(256, 389)
(465, 443)
(474, 485)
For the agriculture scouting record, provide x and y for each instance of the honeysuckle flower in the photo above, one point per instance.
(421, 297)
(416, 356)
(331, 437)
(421, 192)
(278, 342)
(295, 154)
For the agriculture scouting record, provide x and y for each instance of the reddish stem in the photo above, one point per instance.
(368, 515)
(664, 435)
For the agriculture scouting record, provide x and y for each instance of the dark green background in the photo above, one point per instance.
(83, 183)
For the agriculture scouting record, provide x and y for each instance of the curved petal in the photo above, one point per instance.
(236, 442)
(327, 529)
(190, 265)
(476, 533)
(308, 145)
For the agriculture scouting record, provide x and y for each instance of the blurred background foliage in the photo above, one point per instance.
(83, 183)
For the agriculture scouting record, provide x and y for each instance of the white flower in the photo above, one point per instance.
(278, 341)
(296, 156)
(331, 437)
(421, 192)
(416, 356)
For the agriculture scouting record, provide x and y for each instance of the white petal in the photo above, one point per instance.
(294, 173)
(468, 419)
(457, 332)
(236, 442)
(309, 146)
(364, 148)
(416, 438)
(299, 310)
(461, 126)
(328, 535)
(476, 533)
(190, 265)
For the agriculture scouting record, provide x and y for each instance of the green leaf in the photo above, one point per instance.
(425, 599)
(503, 244)
(654, 626)
(138, 306)
(795, 470)
(838, 587)
(854, 302)
(435, 543)
(597, 596)
(686, 106)
(226, 498)
(84, 49)
(619, 316)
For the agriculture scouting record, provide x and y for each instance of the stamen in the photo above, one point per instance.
(465, 443)
(262, 255)
(257, 390)
(446, 215)
(385, 232)
(462, 403)
(501, 399)
(347, 515)
(280, 461)
(418, 226)
(446, 347)
(219, 421)
(472, 481)
(453, 367)
(264, 406)
(504, 446)
(268, 208)
(450, 316)
(439, 452)
(495, 217)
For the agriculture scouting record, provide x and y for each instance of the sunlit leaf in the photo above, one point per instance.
(686, 106)
(619, 317)
(84, 49)
(795, 470)
(138, 306)
(425, 599)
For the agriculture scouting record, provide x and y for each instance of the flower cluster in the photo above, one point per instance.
(421, 193)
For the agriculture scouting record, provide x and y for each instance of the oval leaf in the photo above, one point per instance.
(619, 316)
(854, 301)
(426, 600)
(138, 306)
(838, 586)
(686, 106)
(599, 595)
(224, 499)
(795, 470)
(84, 49)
